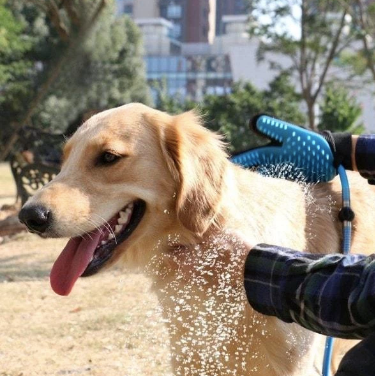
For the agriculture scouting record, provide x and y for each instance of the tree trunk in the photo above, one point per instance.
(311, 114)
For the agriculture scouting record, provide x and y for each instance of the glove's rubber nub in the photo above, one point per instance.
(308, 151)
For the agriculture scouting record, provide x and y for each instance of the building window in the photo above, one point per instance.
(174, 11)
(163, 11)
(128, 9)
(176, 31)
(240, 7)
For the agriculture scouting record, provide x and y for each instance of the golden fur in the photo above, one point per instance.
(195, 196)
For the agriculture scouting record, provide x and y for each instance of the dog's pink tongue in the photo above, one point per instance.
(72, 262)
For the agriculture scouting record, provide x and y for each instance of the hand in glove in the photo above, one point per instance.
(314, 155)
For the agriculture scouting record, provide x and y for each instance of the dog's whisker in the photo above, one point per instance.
(96, 225)
(99, 225)
(84, 233)
(107, 226)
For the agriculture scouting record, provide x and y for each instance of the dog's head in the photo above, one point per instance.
(131, 177)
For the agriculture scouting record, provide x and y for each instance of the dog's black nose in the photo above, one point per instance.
(36, 217)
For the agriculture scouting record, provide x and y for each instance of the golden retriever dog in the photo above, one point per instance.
(159, 192)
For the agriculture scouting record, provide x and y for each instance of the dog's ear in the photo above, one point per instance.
(197, 161)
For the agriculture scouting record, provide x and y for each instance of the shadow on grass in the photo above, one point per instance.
(19, 268)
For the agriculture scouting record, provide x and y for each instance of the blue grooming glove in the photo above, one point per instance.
(309, 152)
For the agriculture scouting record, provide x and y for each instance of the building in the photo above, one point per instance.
(158, 39)
(228, 8)
(193, 21)
(146, 9)
(184, 56)
(125, 6)
(175, 12)
(192, 70)
(200, 22)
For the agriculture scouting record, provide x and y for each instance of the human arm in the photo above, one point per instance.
(333, 294)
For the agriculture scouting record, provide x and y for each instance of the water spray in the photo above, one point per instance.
(311, 158)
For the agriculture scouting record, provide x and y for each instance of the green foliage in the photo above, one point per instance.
(14, 65)
(283, 101)
(354, 60)
(340, 111)
(172, 105)
(360, 60)
(230, 114)
(283, 32)
(310, 33)
(93, 65)
(16, 69)
(107, 71)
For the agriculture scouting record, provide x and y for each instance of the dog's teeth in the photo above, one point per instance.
(122, 221)
(111, 236)
(128, 210)
(103, 242)
(130, 206)
(118, 229)
(123, 214)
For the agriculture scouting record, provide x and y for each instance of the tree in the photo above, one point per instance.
(86, 60)
(230, 114)
(65, 38)
(340, 110)
(171, 104)
(15, 66)
(322, 32)
(12, 47)
(108, 72)
(364, 19)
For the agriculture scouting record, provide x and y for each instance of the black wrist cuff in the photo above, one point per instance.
(341, 146)
(343, 142)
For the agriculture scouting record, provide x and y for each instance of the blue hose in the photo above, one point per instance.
(347, 235)
(327, 356)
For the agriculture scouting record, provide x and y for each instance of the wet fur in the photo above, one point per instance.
(194, 196)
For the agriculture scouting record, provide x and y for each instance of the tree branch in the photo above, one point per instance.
(331, 55)
(54, 16)
(302, 65)
(71, 10)
(369, 57)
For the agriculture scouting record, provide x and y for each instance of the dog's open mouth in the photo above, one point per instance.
(85, 255)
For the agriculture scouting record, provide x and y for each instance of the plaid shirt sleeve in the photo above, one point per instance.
(332, 295)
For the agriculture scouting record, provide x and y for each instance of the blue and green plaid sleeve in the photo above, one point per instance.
(333, 294)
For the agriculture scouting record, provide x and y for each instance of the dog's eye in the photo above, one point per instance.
(108, 158)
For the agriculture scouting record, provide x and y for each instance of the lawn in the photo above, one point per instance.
(109, 325)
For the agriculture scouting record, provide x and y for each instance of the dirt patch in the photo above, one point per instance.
(7, 186)
(109, 325)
